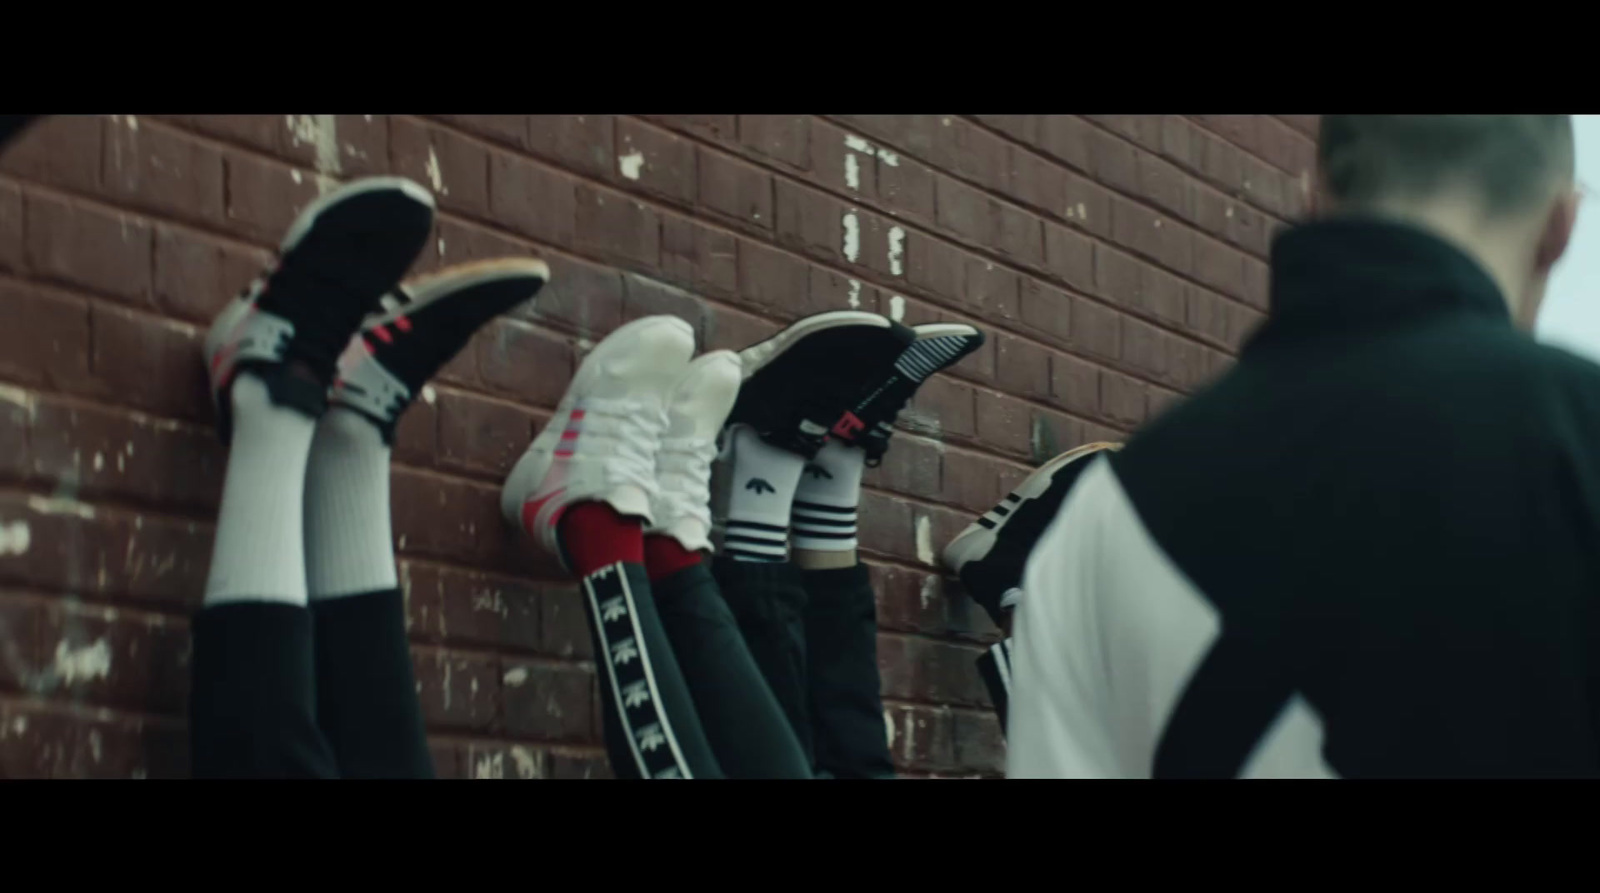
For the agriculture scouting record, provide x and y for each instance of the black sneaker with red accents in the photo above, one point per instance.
(870, 422)
(420, 327)
(339, 258)
(800, 384)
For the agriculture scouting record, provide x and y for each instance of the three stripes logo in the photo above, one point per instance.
(613, 614)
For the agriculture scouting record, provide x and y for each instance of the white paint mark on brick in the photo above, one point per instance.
(855, 294)
(83, 664)
(527, 764)
(930, 586)
(19, 725)
(294, 174)
(490, 766)
(435, 176)
(856, 143)
(1083, 212)
(133, 123)
(888, 726)
(1158, 223)
(15, 538)
(630, 164)
(516, 676)
(128, 448)
(1228, 212)
(924, 528)
(897, 308)
(99, 461)
(96, 746)
(945, 122)
(889, 158)
(852, 236)
(18, 397)
(368, 117)
(60, 505)
(441, 246)
(429, 395)
(897, 251)
(852, 173)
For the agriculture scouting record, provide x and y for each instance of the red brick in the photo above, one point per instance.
(16, 458)
(455, 167)
(104, 452)
(1018, 235)
(1206, 315)
(1178, 142)
(44, 338)
(661, 162)
(1164, 185)
(1237, 129)
(1088, 206)
(505, 761)
(736, 190)
(921, 738)
(163, 171)
(531, 199)
(834, 291)
(575, 766)
(964, 211)
(1159, 238)
(1285, 147)
(618, 227)
(77, 244)
(811, 222)
(978, 743)
(115, 658)
(1066, 137)
(1113, 161)
(583, 142)
(1242, 323)
(470, 608)
(1266, 186)
(59, 150)
(1095, 329)
(196, 274)
(524, 363)
(1162, 400)
(1070, 257)
(1257, 284)
(942, 407)
(1054, 433)
(936, 267)
(883, 244)
(729, 329)
(447, 762)
(264, 197)
(914, 667)
(150, 363)
(1035, 181)
(508, 130)
(563, 624)
(771, 279)
(1022, 367)
(1075, 385)
(457, 690)
(1144, 347)
(712, 127)
(1144, 130)
(1186, 364)
(784, 138)
(11, 253)
(20, 619)
(1218, 266)
(993, 292)
(580, 295)
(1219, 161)
(1003, 423)
(482, 436)
(548, 702)
(886, 526)
(1306, 124)
(1045, 310)
(1122, 399)
(59, 741)
(970, 152)
(416, 438)
(696, 255)
(1023, 128)
(906, 187)
(917, 469)
(645, 297)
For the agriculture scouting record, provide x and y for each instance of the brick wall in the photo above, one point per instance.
(1116, 261)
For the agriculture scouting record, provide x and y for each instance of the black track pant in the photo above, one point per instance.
(281, 691)
(814, 635)
(681, 695)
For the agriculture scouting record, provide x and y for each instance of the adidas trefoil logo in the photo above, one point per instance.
(636, 693)
(624, 651)
(651, 737)
(759, 486)
(818, 472)
(613, 609)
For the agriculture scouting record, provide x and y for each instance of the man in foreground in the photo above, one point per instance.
(1369, 550)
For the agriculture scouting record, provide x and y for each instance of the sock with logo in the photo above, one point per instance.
(593, 535)
(258, 554)
(759, 483)
(825, 503)
(349, 541)
(665, 556)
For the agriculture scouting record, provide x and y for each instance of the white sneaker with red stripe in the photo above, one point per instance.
(601, 443)
(340, 256)
(696, 411)
(421, 326)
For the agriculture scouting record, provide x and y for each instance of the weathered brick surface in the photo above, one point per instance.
(1118, 262)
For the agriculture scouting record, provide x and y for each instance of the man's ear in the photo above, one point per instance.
(1559, 224)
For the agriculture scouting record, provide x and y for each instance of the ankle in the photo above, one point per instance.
(816, 560)
(594, 535)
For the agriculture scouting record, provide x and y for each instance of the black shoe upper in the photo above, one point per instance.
(870, 422)
(804, 394)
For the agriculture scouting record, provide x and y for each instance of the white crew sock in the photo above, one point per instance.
(760, 486)
(259, 554)
(349, 547)
(825, 503)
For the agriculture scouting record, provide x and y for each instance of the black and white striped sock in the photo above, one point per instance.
(825, 504)
(758, 483)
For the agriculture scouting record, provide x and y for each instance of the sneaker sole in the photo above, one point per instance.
(758, 355)
(372, 186)
(431, 287)
(975, 542)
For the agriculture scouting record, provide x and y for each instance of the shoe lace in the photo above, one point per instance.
(684, 467)
(635, 427)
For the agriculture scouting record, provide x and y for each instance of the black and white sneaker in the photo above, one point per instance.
(990, 554)
(870, 422)
(421, 326)
(800, 383)
(340, 256)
